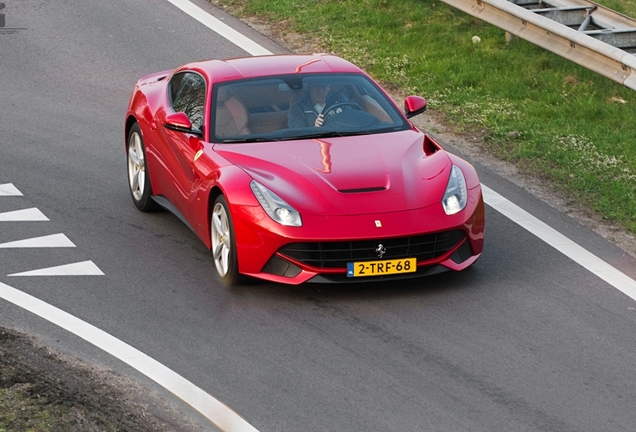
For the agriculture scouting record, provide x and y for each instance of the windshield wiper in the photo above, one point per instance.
(325, 134)
(329, 134)
(249, 140)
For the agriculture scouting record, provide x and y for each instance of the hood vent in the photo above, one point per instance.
(371, 189)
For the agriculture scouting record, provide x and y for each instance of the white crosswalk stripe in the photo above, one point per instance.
(83, 268)
(8, 189)
(25, 215)
(49, 241)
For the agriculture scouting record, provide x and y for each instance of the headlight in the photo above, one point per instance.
(275, 207)
(455, 196)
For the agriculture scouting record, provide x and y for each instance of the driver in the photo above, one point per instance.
(309, 110)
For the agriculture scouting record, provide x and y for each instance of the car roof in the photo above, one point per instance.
(259, 66)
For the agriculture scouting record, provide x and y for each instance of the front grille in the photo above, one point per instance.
(335, 255)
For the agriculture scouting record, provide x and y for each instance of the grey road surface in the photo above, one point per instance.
(526, 340)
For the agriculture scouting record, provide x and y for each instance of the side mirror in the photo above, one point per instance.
(414, 105)
(180, 122)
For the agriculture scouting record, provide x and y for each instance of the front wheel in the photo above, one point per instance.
(138, 176)
(224, 243)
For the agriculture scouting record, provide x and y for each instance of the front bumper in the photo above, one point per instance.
(259, 240)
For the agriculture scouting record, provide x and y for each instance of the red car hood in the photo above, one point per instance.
(349, 175)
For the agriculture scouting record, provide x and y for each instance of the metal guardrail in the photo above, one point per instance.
(584, 32)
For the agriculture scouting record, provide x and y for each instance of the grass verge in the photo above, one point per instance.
(552, 118)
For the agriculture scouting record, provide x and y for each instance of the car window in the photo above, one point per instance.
(187, 92)
(284, 108)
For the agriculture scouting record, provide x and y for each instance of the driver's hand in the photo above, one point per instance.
(319, 120)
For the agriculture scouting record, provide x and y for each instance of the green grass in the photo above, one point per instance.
(552, 118)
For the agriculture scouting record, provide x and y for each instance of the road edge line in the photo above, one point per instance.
(208, 406)
(560, 242)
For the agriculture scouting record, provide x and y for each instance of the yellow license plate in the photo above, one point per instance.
(381, 268)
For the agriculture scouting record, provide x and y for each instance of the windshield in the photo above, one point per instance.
(300, 106)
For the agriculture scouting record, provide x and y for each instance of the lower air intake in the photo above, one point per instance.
(335, 255)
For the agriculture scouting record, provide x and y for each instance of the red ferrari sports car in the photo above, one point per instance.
(298, 168)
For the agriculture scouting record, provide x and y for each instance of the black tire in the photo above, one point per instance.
(138, 175)
(224, 243)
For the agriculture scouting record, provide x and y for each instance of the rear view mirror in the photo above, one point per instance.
(414, 105)
(180, 122)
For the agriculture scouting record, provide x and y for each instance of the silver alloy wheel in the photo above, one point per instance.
(221, 239)
(136, 166)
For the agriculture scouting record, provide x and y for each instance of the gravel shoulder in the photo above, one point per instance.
(44, 391)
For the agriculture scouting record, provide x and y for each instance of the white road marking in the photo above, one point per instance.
(567, 247)
(49, 241)
(26, 215)
(220, 28)
(8, 189)
(211, 408)
(84, 268)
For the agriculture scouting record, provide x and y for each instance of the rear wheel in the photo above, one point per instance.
(138, 176)
(224, 243)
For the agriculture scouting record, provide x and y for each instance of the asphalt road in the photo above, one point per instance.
(526, 340)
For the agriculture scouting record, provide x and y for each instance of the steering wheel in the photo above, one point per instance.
(333, 109)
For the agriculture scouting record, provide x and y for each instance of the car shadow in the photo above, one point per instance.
(433, 285)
